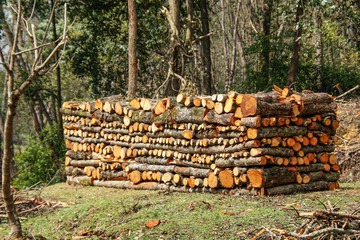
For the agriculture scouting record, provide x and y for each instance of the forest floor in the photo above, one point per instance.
(70, 212)
(67, 212)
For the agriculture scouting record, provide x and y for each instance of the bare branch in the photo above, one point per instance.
(38, 47)
(34, 40)
(4, 63)
(201, 37)
(32, 12)
(345, 93)
(46, 32)
(12, 55)
(38, 68)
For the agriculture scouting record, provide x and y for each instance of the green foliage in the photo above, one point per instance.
(99, 42)
(41, 159)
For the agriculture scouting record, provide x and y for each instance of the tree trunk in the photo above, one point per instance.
(267, 9)
(58, 81)
(226, 56)
(232, 66)
(132, 48)
(173, 86)
(15, 226)
(205, 49)
(296, 45)
(189, 30)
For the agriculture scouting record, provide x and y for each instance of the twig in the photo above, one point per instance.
(322, 231)
(347, 92)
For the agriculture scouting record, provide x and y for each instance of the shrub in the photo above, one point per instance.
(41, 159)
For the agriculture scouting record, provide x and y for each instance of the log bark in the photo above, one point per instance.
(223, 119)
(80, 180)
(324, 176)
(288, 131)
(318, 108)
(240, 162)
(84, 163)
(269, 177)
(295, 188)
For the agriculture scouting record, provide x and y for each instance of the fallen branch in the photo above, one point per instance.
(347, 92)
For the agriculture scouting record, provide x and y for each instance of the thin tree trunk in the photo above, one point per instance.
(319, 58)
(15, 226)
(226, 57)
(190, 13)
(132, 48)
(232, 66)
(173, 86)
(58, 81)
(267, 9)
(296, 45)
(205, 49)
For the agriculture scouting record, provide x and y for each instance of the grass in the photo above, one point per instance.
(123, 214)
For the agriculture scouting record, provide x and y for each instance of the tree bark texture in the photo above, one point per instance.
(294, 65)
(132, 48)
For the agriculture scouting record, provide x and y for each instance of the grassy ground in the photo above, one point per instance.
(123, 214)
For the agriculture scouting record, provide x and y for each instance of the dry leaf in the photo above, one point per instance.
(152, 224)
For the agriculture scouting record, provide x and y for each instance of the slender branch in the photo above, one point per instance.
(38, 68)
(322, 231)
(12, 55)
(32, 12)
(201, 37)
(37, 47)
(345, 93)
(46, 32)
(4, 63)
(34, 40)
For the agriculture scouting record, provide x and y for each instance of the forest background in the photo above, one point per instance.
(196, 47)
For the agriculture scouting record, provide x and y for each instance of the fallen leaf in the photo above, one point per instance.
(152, 224)
(227, 213)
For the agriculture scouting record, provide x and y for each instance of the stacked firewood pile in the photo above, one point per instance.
(266, 143)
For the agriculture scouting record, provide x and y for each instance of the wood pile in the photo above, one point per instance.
(278, 142)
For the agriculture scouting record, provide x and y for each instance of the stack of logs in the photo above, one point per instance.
(279, 142)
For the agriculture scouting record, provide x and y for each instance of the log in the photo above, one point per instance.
(278, 151)
(288, 131)
(179, 114)
(149, 167)
(240, 162)
(318, 108)
(251, 122)
(114, 175)
(318, 149)
(213, 180)
(74, 171)
(135, 176)
(251, 106)
(189, 171)
(79, 180)
(223, 119)
(324, 176)
(84, 163)
(295, 188)
(315, 97)
(226, 178)
(315, 126)
(269, 177)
